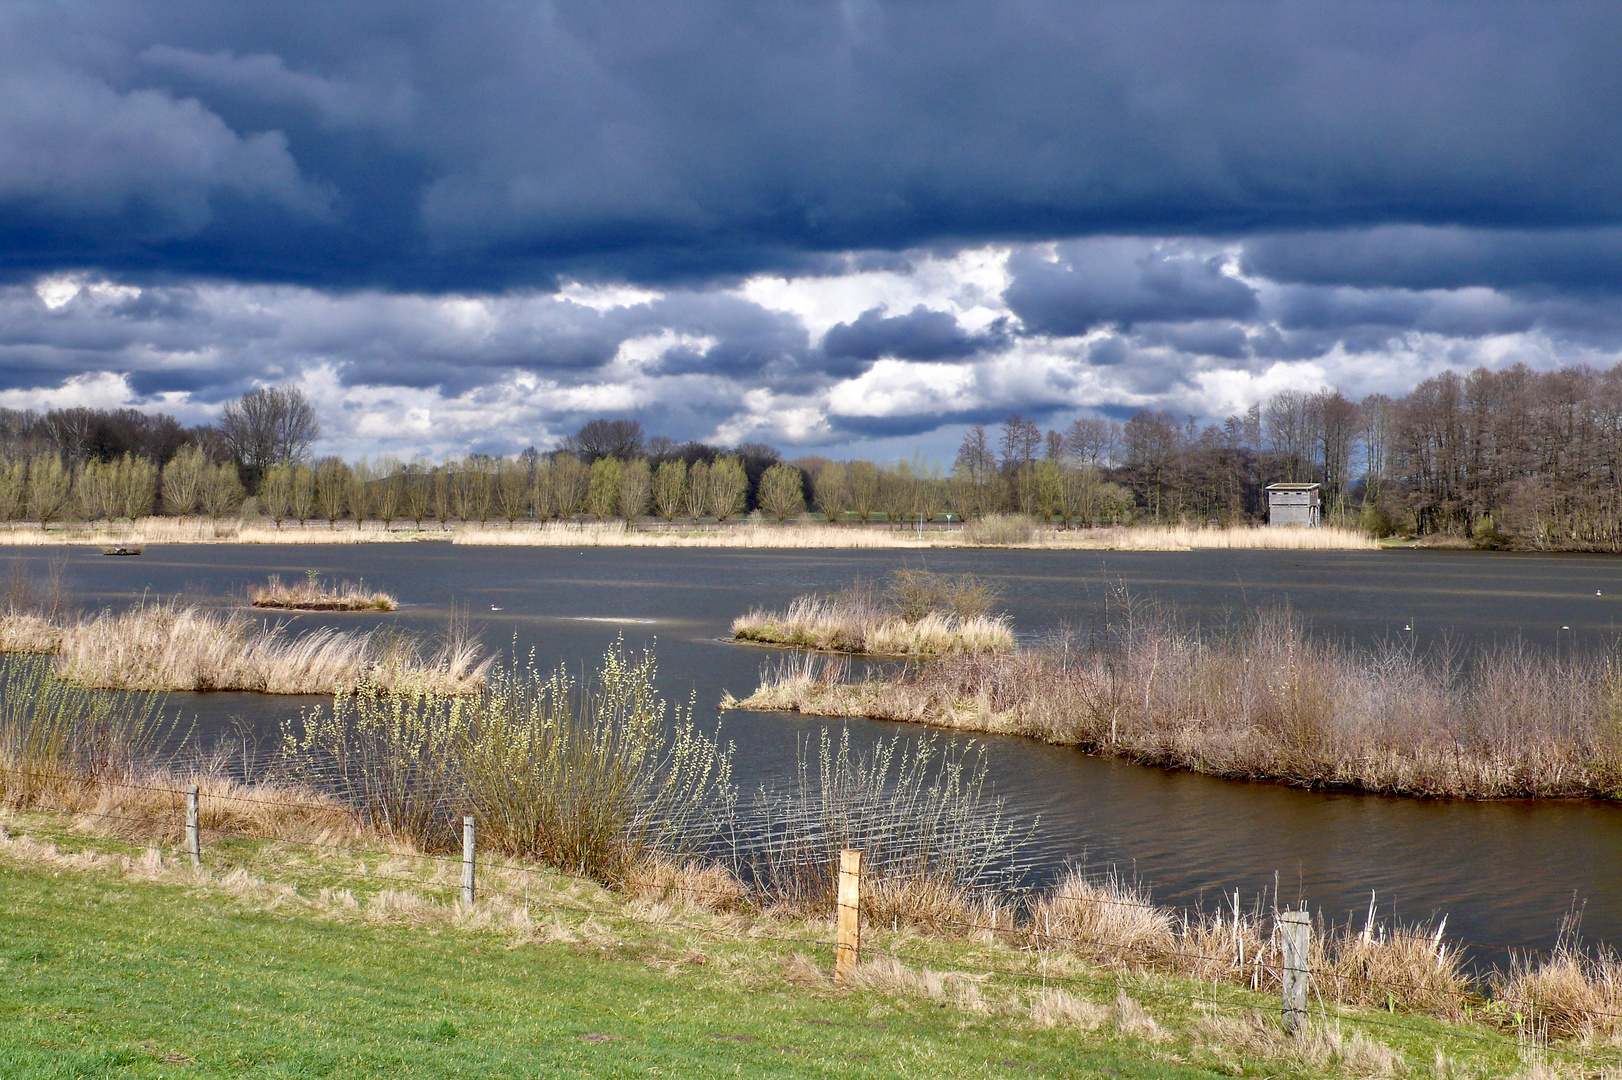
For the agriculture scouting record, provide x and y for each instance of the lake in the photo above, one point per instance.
(1503, 872)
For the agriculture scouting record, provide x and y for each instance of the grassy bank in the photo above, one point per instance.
(277, 960)
(173, 646)
(919, 615)
(1265, 701)
(998, 531)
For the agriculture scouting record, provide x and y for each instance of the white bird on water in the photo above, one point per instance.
(1407, 627)
(494, 608)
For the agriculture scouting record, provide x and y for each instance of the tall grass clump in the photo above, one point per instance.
(597, 778)
(920, 614)
(1000, 530)
(54, 734)
(170, 646)
(312, 594)
(933, 833)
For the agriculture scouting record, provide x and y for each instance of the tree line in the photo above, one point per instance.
(1512, 455)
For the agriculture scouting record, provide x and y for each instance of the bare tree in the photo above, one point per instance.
(273, 425)
(1021, 439)
(606, 438)
(1093, 440)
(975, 456)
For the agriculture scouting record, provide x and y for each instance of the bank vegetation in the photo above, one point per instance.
(919, 614)
(171, 646)
(592, 780)
(1264, 700)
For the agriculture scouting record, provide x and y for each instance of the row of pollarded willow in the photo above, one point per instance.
(1266, 702)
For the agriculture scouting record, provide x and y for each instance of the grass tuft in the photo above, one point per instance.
(919, 615)
(312, 594)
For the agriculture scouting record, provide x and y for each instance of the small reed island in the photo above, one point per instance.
(313, 594)
(918, 614)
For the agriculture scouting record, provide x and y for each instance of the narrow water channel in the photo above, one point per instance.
(1503, 872)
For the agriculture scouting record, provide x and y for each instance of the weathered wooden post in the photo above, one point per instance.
(467, 860)
(848, 950)
(1295, 939)
(194, 838)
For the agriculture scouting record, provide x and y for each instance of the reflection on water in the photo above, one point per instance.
(1504, 872)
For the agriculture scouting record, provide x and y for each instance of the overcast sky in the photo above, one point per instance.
(844, 227)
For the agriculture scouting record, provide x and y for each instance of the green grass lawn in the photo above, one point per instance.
(110, 973)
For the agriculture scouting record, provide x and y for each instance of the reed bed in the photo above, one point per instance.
(919, 615)
(171, 646)
(994, 531)
(1265, 702)
(1109, 920)
(312, 594)
(1010, 530)
(833, 624)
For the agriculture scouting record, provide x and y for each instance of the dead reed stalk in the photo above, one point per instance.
(170, 646)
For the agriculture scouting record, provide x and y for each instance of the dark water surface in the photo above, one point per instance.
(1503, 872)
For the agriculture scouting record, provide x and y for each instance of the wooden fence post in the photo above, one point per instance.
(848, 950)
(1295, 939)
(194, 838)
(467, 860)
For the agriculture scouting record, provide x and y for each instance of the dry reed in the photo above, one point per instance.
(169, 646)
(312, 594)
(920, 615)
(994, 531)
(1266, 701)
(1010, 532)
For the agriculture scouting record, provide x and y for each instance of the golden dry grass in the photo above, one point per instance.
(312, 594)
(25, 632)
(170, 646)
(827, 624)
(816, 535)
(810, 535)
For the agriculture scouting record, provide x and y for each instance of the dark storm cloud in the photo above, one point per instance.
(920, 334)
(1418, 257)
(1120, 282)
(482, 144)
